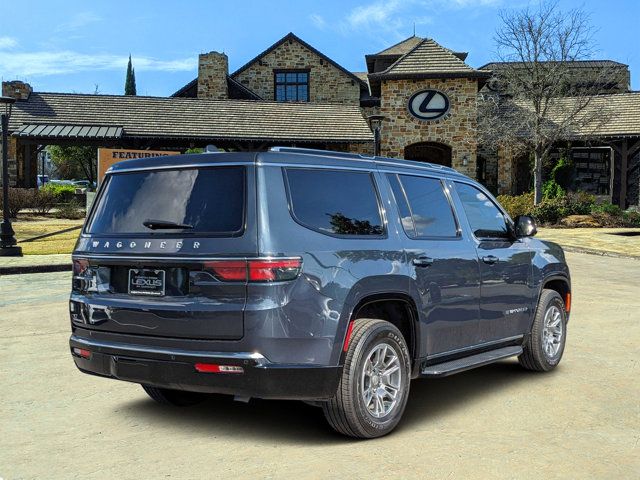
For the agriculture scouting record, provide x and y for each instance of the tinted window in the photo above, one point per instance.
(430, 208)
(403, 206)
(485, 218)
(210, 200)
(339, 202)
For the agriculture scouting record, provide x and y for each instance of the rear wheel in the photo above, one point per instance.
(177, 398)
(545, 346)
(373, 391)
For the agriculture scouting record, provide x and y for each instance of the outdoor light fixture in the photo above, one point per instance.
(465, 160)
(375, 121)
(8, 247)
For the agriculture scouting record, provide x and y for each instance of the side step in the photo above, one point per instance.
(467, 363)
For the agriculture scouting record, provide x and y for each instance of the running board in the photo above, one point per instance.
(467, 363)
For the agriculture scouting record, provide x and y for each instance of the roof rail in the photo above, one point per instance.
(326, 153)
(358, 156)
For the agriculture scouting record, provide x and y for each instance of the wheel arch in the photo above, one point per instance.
(398, 309)
(560, 284)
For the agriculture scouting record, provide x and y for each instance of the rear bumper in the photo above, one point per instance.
(175, 369)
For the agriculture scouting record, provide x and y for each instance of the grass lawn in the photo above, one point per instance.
(28, 226)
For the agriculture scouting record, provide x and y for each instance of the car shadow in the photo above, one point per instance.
(296, 422)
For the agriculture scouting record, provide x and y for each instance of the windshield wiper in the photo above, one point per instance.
(165, 225)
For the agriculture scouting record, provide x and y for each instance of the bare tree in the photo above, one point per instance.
(537, 97)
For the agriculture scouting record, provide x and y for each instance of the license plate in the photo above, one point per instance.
(143, 281)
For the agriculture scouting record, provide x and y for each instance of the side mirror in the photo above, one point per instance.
(525, 226)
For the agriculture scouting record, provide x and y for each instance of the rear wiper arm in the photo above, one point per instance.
(165, 225)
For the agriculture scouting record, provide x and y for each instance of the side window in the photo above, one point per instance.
(334, 202)
(424, 206)
(486, 220)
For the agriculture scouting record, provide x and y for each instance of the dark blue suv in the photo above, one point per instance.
(300, 274)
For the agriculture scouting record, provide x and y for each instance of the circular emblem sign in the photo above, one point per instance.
(428, 105)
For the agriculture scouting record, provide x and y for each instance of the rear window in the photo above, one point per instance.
(334, 201)
(202, 201)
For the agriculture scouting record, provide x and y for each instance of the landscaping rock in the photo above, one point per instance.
(576, 221)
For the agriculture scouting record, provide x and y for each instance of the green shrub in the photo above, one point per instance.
(579, 203)
(517, 205)
(631, 218)
(71, 210)
(19, 199)
(44, 201)
(550, 211)
(607, 208)
(62, 193)
(552, 189)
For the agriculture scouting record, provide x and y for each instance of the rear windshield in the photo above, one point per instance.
(196, 201)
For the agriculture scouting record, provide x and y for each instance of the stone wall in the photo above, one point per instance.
(213, 68)
(327, 84)
(458, 129)
(16, 89)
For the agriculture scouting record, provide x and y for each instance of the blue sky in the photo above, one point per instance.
(72, 46)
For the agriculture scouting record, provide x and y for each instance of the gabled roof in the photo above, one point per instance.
(429, 59)
(191, 118)
(291, 37)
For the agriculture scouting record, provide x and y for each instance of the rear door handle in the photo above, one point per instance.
(423, 261)
(490, 259)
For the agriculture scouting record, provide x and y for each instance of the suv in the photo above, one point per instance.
(326, 277)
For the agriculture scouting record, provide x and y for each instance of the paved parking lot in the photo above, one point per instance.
(581, 421)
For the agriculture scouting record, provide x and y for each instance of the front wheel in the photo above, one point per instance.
(373, 391)
(545, 345)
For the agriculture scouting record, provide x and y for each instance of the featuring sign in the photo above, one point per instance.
(109, 156)
(428, 105)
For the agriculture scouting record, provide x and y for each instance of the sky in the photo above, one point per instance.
(83, 46)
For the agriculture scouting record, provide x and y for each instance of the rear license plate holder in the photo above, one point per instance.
(147, 282)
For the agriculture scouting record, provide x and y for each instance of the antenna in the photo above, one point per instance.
(414, 29)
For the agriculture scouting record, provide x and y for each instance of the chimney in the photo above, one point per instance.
(16, 89)
(213, 68)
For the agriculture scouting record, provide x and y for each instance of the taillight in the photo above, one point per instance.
(258, 270)
(214, 368)
(274, 270)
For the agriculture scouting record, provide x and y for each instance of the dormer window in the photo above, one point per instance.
(291, 85)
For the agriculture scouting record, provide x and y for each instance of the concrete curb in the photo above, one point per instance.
(600, 253)
(19, 270)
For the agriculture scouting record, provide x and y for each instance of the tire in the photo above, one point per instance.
(176, 398)
(535, 355)
(347, 412)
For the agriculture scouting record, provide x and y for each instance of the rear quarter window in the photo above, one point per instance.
(335, 202)
(208, 200)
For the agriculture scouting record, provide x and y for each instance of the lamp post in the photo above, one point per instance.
(375, 121)
(8, 242)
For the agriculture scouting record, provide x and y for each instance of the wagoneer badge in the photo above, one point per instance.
(428, 105)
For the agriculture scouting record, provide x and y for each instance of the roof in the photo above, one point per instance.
(402, 47)
(573, 63)
(621, 112)
(279, 155)
(292, 37)
(69, 131)
(192, 118)
(430, 59)
(236, 90)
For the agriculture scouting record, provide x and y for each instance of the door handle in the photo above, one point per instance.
(423, 261)
(490, 259)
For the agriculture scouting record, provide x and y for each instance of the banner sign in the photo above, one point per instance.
(109, 156)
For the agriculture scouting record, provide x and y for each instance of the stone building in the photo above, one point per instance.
(418, 96)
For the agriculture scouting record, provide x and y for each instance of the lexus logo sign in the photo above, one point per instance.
(428, 105)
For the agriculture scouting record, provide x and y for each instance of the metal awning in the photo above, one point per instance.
(40, 130)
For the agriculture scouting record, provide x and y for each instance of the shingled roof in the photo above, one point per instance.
(620, 112)
(402, 47)
(187, 118)
(428, 59)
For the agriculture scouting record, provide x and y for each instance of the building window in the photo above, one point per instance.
(292, 86)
